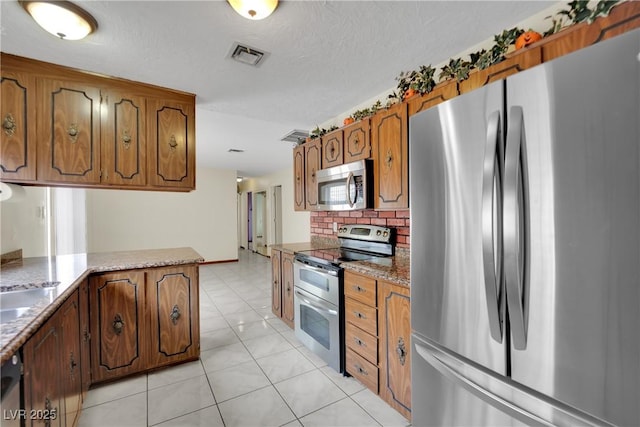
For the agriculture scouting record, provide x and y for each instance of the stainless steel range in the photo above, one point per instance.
(318, 284)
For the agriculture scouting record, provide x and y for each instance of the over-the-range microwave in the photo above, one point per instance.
(344, 187)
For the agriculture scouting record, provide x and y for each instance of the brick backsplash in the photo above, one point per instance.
(322, 222)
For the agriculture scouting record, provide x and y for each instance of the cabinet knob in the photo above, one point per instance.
(9, 125)
(175, 314)
(118, 324)
(359, 342)
(73, 132)
(359, 315)
(358, 288)
(389, 159)
(72, 363)
(401, 351)
(126, 139)
(173, 143)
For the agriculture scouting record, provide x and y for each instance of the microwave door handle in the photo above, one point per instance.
(348, 188)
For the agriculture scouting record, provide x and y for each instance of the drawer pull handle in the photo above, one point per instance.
(359, 342)
(358, 288)
(359, 315)
(361, 370)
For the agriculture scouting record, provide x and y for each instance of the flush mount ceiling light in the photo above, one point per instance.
(254, 9)
(61, 18)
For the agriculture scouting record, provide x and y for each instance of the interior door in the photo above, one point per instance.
(580, 295)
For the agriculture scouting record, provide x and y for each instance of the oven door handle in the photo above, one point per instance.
(316, 303)
(316, 269)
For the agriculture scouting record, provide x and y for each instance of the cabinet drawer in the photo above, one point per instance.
(362, 370)
(362, 343)
(360, 288)
(361, 315)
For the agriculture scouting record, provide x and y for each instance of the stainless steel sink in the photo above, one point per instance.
(16, 303)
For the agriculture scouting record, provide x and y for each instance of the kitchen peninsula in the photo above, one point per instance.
(86, 318)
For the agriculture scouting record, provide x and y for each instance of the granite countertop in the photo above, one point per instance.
(63, 274)
(393, 269)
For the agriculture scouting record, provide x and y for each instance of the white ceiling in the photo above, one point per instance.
(325, 58)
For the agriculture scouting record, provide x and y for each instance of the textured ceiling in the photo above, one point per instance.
(325, 57)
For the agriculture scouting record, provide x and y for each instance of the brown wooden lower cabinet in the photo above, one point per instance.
(118, 332)
(394, 310)
(173, 306)
(377, 338)
(282, 286)
(52, 360)
(143, 319)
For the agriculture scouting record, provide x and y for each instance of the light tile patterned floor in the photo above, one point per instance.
(252, 370)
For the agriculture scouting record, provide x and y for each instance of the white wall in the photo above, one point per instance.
(23, 224)
(296, 226)
(204, 219)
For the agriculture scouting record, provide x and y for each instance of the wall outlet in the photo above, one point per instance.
(335, 226)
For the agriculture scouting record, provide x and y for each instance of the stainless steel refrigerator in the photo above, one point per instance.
(525, 247)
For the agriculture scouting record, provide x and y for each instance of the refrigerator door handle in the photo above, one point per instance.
(491, 220)
(526, 405)
(515, 228)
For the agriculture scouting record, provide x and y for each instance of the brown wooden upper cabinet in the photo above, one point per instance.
(18, 134)
(312, 150)
(441, 93)
(172, 137)
(92, 131)
(390, 144)
(124, 139)
(357, 145)
(298, 178)
(68, 127)
(332, 153)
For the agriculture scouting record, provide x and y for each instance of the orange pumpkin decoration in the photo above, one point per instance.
(526, 38)
(348, 121)
(409, 93)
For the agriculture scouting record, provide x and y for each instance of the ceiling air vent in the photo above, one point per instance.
(246, 54)
(234, 150)
(296, 136)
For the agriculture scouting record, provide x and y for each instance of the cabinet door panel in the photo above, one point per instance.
(276, 283)
(124, 139)
(42, 362)
(172, 144)
(85, 334)
(395, 352)
(390, 158)
(332, 152)
(357, 145)
(287, 289)
(69, 315)
(117, 324)
(18, 133)
(173, 305)
(298, 179)
(68, 121)
(312, 166)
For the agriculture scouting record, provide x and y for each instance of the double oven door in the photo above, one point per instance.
(318, 312)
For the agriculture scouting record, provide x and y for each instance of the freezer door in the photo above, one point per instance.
(454, 391)
(453, 301)
(579, 230)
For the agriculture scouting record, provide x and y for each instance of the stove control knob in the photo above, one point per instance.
(378, 233)
(385, 234)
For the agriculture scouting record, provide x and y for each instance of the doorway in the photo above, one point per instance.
(276, 205)
(260, 222)
(250, 221)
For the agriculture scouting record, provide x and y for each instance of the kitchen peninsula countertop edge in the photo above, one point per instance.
(70, 271)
